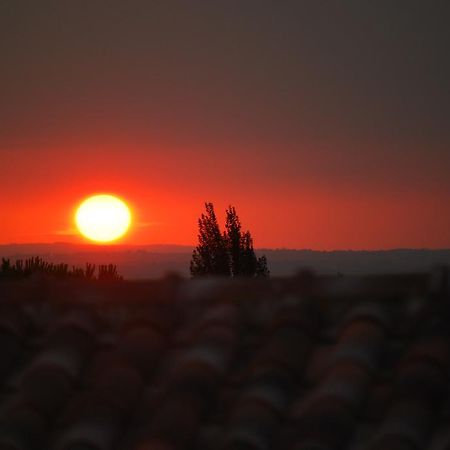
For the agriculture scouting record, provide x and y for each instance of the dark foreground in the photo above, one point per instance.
(299, 363)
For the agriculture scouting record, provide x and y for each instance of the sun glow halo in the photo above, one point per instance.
(103, 218)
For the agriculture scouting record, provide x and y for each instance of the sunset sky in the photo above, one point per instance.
(326, 123)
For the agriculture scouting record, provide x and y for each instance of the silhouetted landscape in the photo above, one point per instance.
(153, 261)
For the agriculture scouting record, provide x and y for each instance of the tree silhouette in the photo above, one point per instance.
(233, 239)
(210, 257)
(249, 261)
(251, 265)
(227, 254)
(262, 269)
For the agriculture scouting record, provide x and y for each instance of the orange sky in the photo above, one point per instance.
(281, 208)
(324, 123)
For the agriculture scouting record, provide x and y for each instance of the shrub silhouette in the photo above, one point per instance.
(230, 253)
(108, 272)
(36, 265)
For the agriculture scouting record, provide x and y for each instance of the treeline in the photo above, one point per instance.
(229, 253)
(37, 266)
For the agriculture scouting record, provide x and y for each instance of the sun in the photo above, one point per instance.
(103, 218)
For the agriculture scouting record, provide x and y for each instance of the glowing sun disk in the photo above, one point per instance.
(103, 218)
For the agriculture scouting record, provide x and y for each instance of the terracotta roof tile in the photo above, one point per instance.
(322, 364)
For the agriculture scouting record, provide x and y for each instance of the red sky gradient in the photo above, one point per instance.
(279, 207)
(324, 123)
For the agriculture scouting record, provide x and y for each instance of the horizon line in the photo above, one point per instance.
(190, 246)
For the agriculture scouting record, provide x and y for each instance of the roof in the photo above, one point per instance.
(301, 363)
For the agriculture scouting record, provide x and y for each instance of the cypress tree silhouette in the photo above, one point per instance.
(227, 254)
(210, 257)
(233, 238)
(249, 261)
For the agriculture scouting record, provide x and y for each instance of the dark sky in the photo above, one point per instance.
(336, 102)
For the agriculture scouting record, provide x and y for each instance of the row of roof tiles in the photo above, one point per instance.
(284, 373)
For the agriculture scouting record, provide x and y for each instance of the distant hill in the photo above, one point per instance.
(285, 262)
(151, 261)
